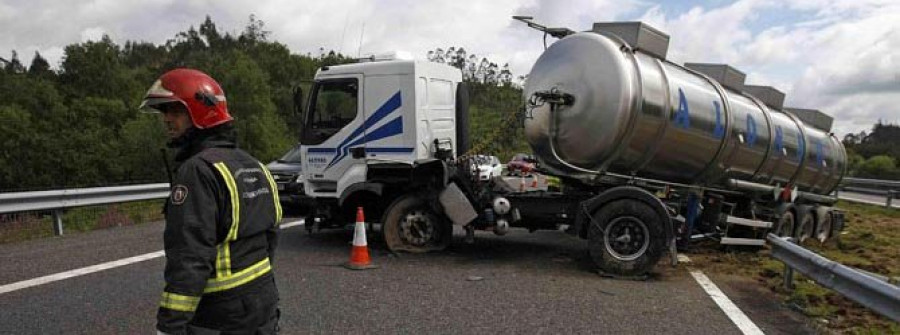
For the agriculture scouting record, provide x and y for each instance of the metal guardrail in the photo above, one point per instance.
(889, 189)
(878, 183)
(872, 292)
(57, 200)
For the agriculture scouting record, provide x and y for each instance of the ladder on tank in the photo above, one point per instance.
(734, 221)
(731, 221)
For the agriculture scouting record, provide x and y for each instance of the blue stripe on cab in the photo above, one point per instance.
(395, 127)
(389, 106)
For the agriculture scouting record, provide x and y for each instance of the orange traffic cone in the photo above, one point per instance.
(359, 255)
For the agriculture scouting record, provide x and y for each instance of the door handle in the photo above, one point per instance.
(358, 152)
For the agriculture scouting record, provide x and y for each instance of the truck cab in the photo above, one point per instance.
(371, 127)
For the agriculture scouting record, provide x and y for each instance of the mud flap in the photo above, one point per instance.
(456, 206)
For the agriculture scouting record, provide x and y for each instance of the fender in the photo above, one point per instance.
(375, 188)
(626, 192)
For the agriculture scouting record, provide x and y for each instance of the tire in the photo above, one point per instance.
(410, 225)
(823, 230)
(785, 226)
(626, 238)
(807, 227)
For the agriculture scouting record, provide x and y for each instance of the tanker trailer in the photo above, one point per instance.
(636, 135)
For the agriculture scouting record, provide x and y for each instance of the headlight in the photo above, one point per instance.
(299, 178)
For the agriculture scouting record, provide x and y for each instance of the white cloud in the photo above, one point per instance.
(92, 34)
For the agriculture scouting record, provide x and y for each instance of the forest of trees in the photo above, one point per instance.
(78, 125)
(874, 154)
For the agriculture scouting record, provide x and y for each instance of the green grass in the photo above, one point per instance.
(32, 225)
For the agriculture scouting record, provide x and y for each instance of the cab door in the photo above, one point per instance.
(334, 118)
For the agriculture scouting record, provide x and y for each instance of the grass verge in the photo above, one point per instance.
(870, 241)
(31, 225)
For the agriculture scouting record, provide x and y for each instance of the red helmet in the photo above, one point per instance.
(197, 91)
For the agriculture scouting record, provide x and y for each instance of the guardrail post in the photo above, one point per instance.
(788, 278)
(890, 197)
(57, 222)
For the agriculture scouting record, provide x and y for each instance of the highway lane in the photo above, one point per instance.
(877, 200)
(525, 283)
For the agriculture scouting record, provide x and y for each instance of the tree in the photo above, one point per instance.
(142, 149)
(96, 69)
(879, 167)
(14, 65)
(40, 67)
(854, 161)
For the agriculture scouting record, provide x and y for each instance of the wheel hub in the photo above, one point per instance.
(417, 228)
(627, 238)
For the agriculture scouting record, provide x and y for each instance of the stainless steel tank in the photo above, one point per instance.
(632, 113)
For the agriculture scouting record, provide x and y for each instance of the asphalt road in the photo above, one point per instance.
(525, 284)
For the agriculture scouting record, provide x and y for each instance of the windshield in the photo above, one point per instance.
(333, 106)
(292, 156)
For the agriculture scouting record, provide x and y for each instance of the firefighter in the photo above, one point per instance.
(221, 217)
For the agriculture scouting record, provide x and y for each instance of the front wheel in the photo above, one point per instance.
(626, 237)
(413, 226)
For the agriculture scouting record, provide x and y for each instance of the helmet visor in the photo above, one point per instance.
(156, 96)
(156, 105)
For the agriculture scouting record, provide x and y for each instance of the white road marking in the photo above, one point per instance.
(78, 272)
(287, 225)
(682, 258)
(99, 267)
(731, 310)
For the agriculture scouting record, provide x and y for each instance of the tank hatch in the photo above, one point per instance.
(813, 117)
(767, 94)
(723, 73)
(638, 35)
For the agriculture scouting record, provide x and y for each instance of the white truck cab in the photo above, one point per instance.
(369, 125)
(376, 112)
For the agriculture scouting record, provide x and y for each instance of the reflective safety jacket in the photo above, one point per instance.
(220, 235)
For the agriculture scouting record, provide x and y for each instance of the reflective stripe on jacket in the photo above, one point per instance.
(221, 231)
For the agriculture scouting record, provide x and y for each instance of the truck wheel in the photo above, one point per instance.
(411, 225)
(823, 230)
(807, 227)
(626, 238)
(785, 227)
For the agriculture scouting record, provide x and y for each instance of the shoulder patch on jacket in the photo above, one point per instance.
(179, 194)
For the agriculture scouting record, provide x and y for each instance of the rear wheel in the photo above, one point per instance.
(785, 227)
(626, 237)
(413, 226)
(807, 227)
(823, 230)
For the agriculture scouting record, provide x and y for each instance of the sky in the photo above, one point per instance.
(838, 56)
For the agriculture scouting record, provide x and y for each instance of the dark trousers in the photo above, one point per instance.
(252, 312)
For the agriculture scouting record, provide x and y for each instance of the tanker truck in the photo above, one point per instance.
(651, 155)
